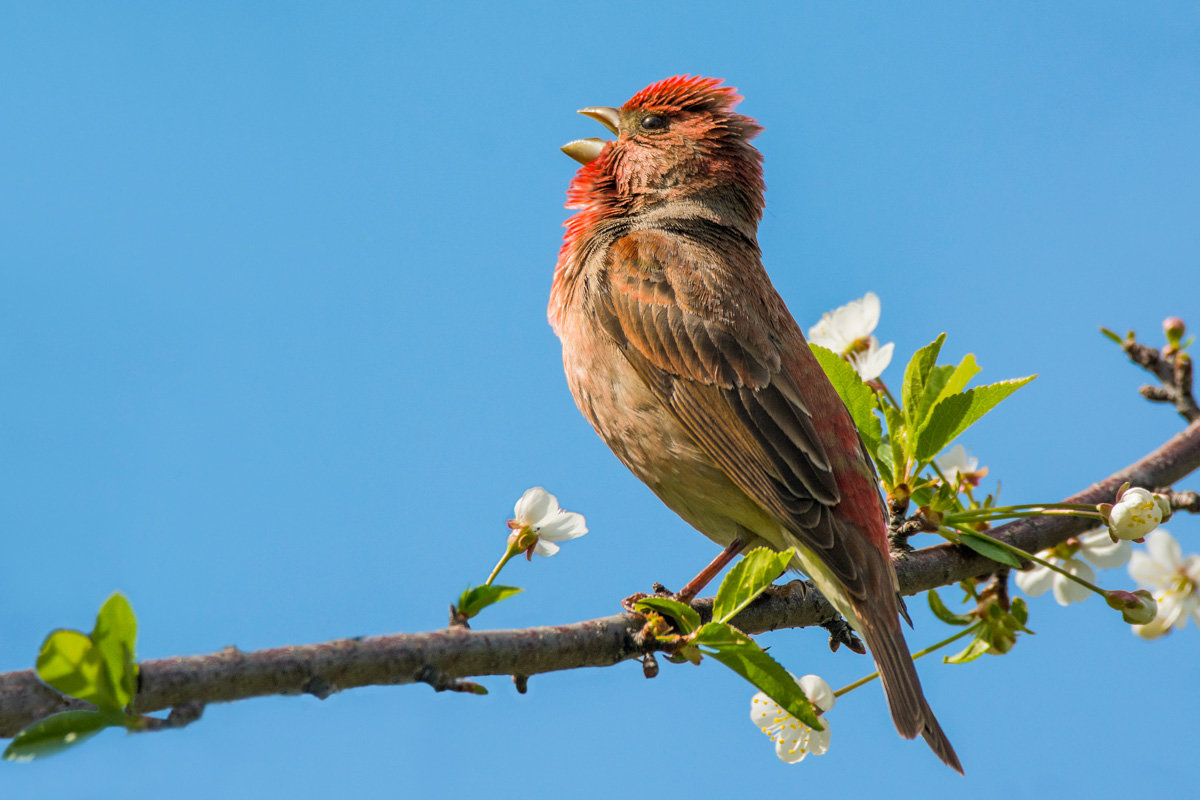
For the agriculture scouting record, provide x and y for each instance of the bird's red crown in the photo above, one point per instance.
(686, 93)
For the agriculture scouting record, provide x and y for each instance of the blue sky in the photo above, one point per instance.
(276, 364)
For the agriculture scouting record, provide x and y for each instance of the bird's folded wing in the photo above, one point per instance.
(685, 322)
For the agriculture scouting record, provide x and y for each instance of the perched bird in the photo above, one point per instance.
(686, 361)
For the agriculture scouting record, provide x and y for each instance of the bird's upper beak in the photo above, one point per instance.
(586, 150)
(607, 116)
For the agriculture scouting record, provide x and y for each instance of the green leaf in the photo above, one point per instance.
(115, 636)
(899, 440)
(755, 665)
(943, 382)
(988, 549)
(966, 369)
(938, 376)
(54, 734)
(1020, 613)
(944, 614)
(858, 397)
(720, 634)
(973, 651)
(954, 414)
(922, 497)
(70, 663)
(1112, 336)
(916, 375)
(684, 616)
(747, 580)
(883, 462)
(477, 598)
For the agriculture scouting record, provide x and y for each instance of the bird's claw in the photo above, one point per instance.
(840, 633)
(797, 587)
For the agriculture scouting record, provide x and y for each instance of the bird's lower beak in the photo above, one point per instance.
(586, 150)
(583, 150)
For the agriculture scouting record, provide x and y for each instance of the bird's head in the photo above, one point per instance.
(677, 139)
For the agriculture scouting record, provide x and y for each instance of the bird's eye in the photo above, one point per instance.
(653, 122)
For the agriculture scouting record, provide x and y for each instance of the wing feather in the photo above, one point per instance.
(723, 379)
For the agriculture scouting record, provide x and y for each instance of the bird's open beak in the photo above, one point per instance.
(607, 116)
(586, 150)
(583, 150)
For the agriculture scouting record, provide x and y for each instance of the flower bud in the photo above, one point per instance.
(1136, 513)
(1173, 329)
(1137, 608)
(1000, 641)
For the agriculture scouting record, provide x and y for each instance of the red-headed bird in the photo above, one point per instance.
(686, 361)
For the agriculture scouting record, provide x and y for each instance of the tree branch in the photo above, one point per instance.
(1173, 368)
(442, 658)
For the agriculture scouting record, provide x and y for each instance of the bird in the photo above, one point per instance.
(682, 355)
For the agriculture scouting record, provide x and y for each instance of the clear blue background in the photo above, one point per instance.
(275, 364)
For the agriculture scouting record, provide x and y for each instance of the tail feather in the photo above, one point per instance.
(910, 710)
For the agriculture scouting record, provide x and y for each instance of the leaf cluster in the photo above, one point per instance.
(935, 407)
(994, 627)
(99, 668)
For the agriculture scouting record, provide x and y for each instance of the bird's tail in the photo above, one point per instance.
(910, 710)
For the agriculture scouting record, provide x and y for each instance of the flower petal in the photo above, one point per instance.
(1035, 582)
(818, 692)
(765, 712)
(818, 741)
(533, 505)
(563, 526)
(1151, 630)
(545, 548)
(791, 742)
(868, 312)
(1067, 591)
(1191, 568)
(871, 363)
(1171, 610)
(819, 335)
(955, 462)
(1148, 573)
(1163, 548)
(1099, 548)
(1192, 607)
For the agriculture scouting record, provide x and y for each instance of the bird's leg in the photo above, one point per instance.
(688, 593)
(693, 587)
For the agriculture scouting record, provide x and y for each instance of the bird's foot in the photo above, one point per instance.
(840, 633)
(898, 544)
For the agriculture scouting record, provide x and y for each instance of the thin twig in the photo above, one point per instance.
(1172, 367)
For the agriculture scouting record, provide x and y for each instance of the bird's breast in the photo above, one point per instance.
(645, 435)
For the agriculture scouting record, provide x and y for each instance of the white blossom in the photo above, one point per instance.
(958, 467)
(1035, 582)
(793, 739)
(841, 328)
(870, 363)
(847, 331)
(1174, 580)
(537, 513)
(1096, 547)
